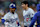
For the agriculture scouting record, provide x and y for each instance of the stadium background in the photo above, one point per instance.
(4, 7)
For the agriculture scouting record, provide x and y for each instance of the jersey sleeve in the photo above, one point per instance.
(6, 16)
(17, 17)
(33, 20)
(31, 13)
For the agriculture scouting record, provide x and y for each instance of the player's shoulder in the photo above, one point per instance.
(16, 13)
(35, 14)
(30, 9)
(38, 12)
(23, 11)
(7, 14)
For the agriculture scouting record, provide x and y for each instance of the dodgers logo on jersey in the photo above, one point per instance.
(26, 17)
(13, 20)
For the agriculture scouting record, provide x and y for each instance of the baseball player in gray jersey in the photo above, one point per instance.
(11, 18)
(28, 13)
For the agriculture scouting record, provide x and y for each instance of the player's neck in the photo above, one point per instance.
(12, 12)
(26, 8)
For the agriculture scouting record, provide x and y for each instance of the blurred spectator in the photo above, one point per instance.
(1, 15)
(1, 12)
(34, 0)
(6, 11)
(13, 0)
(2, 0)
(33, 6)
(39, 2)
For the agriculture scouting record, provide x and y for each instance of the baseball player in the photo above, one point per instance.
(11, 18)
(28, 13)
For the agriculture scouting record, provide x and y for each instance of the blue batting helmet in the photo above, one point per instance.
(12, 5)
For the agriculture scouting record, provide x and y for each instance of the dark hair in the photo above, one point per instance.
(25, 2)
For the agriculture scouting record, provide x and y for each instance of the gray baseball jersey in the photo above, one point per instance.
(12, 18)
(28, 14)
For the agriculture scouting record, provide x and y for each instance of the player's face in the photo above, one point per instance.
(26, 5)
(23, 5)
(12, 9)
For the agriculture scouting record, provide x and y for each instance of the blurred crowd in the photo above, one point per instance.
(4, 6)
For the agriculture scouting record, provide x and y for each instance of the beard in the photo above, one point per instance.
(12, 12)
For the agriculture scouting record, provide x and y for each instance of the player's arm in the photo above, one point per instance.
(33, 20)
(17, 22)
(31, 14)
(5, 17)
